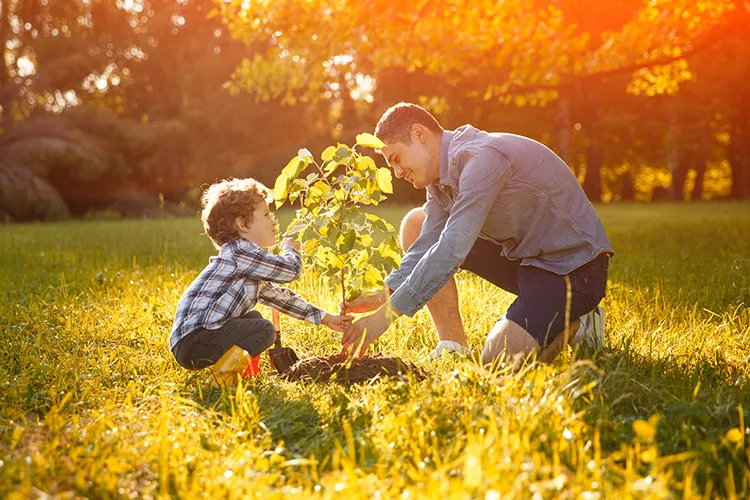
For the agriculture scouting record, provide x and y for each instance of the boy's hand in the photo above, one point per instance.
(364, 303)
(290, 242)
(337, 322)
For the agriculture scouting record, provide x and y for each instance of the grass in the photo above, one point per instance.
(95, 406)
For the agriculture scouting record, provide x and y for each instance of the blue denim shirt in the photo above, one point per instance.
(505, 188)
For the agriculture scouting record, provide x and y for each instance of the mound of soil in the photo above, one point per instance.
(322, 368)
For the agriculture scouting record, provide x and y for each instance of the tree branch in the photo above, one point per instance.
(570, 81)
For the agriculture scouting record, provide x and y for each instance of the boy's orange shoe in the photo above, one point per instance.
(236, 361)
(253, 369)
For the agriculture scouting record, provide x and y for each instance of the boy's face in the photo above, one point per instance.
(415, 162)
(262, 229)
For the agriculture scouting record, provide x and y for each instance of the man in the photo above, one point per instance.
(506, 208)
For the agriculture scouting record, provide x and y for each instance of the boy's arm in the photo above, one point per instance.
(289, 303)
(264, 266)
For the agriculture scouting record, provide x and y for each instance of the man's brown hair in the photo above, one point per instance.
(224, 201)
(396, 123)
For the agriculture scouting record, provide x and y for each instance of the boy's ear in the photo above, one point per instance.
(242, 224)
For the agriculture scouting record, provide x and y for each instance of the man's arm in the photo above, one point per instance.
(482, 179)
(428, 236)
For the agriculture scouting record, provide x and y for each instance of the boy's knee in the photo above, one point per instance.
(269, 337)
(411, 226)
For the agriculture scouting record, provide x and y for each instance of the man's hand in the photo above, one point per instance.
(364, 303)
(367, 329)
(290, 242)
(337, 322)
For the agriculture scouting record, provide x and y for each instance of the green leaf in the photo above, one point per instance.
(328, 153)
(369, 141)
(346, 241)
(384, 180)
(378, 222)
(297, 186)
(280, 189)
(343, 153)
(389, 255)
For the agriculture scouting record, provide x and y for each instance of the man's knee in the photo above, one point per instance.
(411, 226)
(510, 340)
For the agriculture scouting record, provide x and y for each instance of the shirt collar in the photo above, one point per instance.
(241, 244)
(445, 142)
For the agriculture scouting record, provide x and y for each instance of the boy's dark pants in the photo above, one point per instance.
(203, 348)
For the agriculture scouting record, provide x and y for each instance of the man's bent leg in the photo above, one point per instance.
(508, 338)
(444, 305)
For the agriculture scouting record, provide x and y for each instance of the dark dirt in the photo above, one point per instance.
(322, 368)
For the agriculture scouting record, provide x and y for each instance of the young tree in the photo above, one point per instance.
(348, 247)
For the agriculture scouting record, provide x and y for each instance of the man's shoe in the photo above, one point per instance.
(590, 335)
(448, 346)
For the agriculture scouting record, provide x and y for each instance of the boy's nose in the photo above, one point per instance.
(399, 172)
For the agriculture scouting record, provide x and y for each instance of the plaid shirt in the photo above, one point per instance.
(234, 282)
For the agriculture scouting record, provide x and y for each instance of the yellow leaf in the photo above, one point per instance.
(310, 246)
(280, 189)
(644, 430)
(366, 240)
(369, 141)
(373, 276)
(366, 163)
(649, 455)
(292, 168)
(328, 153)
(384, 180)
(305, 155)
(734, 435)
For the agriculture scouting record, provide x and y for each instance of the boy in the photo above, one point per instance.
(216, 311)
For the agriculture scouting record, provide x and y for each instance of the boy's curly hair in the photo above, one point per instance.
(224, 201)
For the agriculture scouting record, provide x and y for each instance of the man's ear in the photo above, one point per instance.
(419, 133)
(242, 224)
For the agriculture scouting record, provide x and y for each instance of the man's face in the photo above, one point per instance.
(411, 162)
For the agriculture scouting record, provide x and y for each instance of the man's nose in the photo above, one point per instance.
(398, 171)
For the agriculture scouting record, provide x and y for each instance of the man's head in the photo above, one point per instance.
(237, 208)
(412, 143)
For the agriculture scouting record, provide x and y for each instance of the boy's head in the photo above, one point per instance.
(236, 208)
(412, 143)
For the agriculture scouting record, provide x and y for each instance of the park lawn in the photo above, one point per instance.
(94, 405)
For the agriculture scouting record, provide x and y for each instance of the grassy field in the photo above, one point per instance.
(93, 404)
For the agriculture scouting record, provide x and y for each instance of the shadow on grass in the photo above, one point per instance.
(288, 417)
